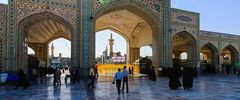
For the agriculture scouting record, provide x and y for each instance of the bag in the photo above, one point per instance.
(113, 82)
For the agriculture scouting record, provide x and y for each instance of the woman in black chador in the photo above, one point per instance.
(187, 78)
(174, 82)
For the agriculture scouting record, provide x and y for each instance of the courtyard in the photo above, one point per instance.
(206, 87)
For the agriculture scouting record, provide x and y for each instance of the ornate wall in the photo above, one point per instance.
(22, 9)
(3, 34)
(63, 8)
(154, 12)
(185, 21)
(82, 15)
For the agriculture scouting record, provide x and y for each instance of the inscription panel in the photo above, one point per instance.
(185, 17)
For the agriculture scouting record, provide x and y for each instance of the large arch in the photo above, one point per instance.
(149, 17)
(232, 59)
(185, 42)
(24, 32)
(211, 63)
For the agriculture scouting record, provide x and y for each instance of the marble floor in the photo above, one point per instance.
(206, 87)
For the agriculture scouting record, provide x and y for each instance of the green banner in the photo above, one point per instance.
(237, 65)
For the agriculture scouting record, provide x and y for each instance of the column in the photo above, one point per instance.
(192, 56)
(134, 54)
(11, 47)
(214, 61)
(41, 51)
(167, 42)
(76, 54)
(88, 38)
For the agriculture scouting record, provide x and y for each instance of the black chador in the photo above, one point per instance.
(187, 78)
(174, 82)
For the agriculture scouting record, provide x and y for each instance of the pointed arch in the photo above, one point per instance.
(23, 27)
(155, 22)
(185, 42)
(233, 52)
(211, 64)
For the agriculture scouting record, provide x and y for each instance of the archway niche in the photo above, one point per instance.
(184, 45)
(139, 27)
(230, 58)
(36, 31)
(209, 61)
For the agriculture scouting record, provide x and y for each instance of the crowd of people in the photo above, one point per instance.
(174, 74)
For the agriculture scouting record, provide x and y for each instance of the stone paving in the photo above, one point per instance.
(211, 87)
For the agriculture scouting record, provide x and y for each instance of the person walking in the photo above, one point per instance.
(92, 77)
(58, 76)
(118, 78)
(129, 70)
(174, 82)
(132, 70)
(125, 78)
(187, 78)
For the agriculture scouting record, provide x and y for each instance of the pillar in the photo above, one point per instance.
(11, 34)
(214, 60)
(192, 53)
(134, 54)
(88, 38)
(167, 42)
(41, 51)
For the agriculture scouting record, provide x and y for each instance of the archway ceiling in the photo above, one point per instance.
(47, 30)
(226, 51)
(179, 43)
(206, 49)
(129, 24)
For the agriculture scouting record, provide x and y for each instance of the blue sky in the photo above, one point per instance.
(218, 16)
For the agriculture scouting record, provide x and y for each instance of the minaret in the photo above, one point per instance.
(106, 50)
(52, 51)
(111, 42)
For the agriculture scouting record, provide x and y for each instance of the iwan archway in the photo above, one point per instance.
(230, 58)
(184, 42)
(36, 31)
(137, 24)
(209, 60)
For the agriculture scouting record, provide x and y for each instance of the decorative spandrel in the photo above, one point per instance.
(181, 27)
(155, 6)
(50, 1)
(1, 27)
(25, 9)
(105, 1)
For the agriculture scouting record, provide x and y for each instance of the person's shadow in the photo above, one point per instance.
(56, 91)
